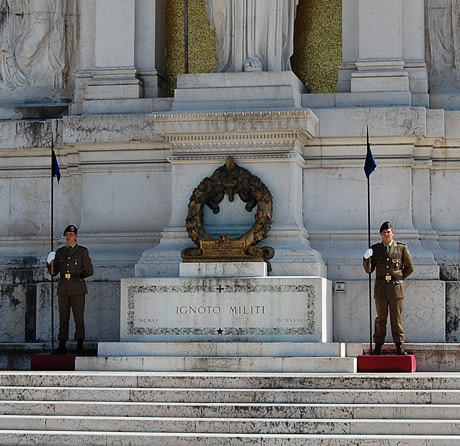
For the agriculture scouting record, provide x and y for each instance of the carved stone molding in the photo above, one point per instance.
(236, 129)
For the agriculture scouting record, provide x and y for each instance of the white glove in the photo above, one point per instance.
(369, 252)
(51, 256)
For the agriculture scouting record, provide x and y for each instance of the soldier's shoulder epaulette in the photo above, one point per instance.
(376, 245)
(402, 243)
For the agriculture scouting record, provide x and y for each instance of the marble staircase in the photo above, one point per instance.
(132, 408)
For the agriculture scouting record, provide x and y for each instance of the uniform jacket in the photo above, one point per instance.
(73, 265)
(397, 264)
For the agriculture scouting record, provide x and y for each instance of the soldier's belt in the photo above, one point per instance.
(387, 277)
(70, 276)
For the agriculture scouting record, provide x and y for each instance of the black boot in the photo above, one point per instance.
(61, 350)
(400, 350)
(80, 349)
(377, 349)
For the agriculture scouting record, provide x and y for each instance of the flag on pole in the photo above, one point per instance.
(55, 167)
(370, 164)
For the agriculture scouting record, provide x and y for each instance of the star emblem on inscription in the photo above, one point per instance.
(220, 331)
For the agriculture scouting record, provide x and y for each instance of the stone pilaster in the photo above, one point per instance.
(383, 52)
(123, 62)
(380, 65)
(114, 73)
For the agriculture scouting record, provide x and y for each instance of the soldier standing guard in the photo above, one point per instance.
(73, 264)
(393, 263)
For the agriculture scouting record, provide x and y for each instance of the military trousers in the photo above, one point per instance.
(76, 303)
(380, 327)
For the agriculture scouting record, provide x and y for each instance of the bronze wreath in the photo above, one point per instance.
(230, 180)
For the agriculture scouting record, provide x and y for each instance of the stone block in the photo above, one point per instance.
(108, 128)
(226, 309)
(223, 269)
(372, 99)
(13, 308)
(345, 122)
(115, 91)
(365, 83)
(435, 123)
(215, 364)
(453, 311)
(233, 91)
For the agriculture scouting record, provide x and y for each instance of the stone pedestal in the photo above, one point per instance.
(267, 144)
(238, 91)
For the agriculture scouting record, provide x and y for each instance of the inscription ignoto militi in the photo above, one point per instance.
(245, 308)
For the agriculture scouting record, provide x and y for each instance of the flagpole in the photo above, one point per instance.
(369, 167)
(51, 235)
(369, 245)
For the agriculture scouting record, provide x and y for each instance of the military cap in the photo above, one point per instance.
(70, 228)
(385, 225)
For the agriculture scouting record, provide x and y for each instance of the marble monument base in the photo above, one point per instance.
(238, 91)
(225, 309)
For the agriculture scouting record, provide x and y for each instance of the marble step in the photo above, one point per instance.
(232, 410)
(383, 381)
(248, 364)
(222, 349)
(147, 408)
(77, 438)
(213, 395)
(231, 425)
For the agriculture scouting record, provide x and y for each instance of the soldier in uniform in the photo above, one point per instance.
(393, 263)
(73, 264)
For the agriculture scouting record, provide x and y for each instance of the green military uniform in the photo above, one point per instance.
(74, 265)
(391, 267)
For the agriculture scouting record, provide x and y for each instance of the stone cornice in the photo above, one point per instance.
(192, 158)
(244, 125)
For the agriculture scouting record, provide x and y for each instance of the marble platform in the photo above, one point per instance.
(247, 357)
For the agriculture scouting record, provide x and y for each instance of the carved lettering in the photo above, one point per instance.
(247, 309)
(201, 309)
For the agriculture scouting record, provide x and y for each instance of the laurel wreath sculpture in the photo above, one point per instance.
(230, 179)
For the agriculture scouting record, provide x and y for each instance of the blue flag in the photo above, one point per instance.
(56, 172)
(370, 164)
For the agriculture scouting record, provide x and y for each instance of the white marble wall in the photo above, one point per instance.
(424, 312)
(127, 174)
(117, 186)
